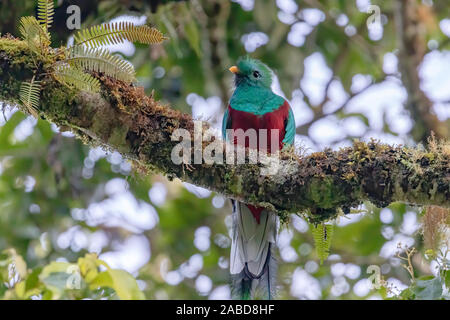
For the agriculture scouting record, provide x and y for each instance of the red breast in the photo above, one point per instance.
(271, 120)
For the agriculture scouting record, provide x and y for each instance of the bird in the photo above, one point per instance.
(253, 105)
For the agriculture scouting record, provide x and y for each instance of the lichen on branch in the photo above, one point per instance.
(124, 118)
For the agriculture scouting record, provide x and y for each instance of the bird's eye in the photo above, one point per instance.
(256, 74)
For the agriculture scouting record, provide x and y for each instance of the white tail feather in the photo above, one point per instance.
(250, 257)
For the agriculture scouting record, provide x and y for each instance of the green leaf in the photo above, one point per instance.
(88, 266)
(47, 295)
(121, 281)
(32, 280)
(22, 292)
(428, 288)
(54, 267)
(56, 276)
(407, 294)
(19, 288)
(447, 278)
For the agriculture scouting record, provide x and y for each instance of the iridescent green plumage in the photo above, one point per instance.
(253, 94)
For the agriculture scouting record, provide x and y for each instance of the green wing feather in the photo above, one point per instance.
(290, 127)
(226, 124)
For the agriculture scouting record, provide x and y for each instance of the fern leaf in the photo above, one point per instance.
(76, 78)
(113, 33)
(45, 13)
(322, 235)
(29, 95)
(33, 33)
(29, 26)
(101, 60)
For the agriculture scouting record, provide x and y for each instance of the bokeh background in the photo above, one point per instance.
(60, 199)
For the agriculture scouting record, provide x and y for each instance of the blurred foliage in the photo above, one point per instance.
(60, 200)
(59, 280)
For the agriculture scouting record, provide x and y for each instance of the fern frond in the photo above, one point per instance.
(322, 235)
(29, 95)
(45, 13)
(29, 26)
(113, 33)
(76, 78)
(101, 60)
(33, 33)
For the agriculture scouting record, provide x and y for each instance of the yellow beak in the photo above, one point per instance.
(234, 69)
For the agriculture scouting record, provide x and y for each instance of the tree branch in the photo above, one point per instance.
(122, 117)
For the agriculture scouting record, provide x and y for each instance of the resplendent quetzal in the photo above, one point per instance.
(253, 105)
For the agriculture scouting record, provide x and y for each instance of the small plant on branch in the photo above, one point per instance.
(322, 235)
(84, 57)
(29, 95)
(45, 13)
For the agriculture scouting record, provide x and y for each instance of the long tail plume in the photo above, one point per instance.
(252, 266)
(245, 286)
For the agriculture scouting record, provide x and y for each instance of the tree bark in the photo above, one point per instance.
(123, 118)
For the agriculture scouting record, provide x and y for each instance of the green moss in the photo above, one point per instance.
(430, 156)
(233, 182)
(58, 99)
(324, 193)
(13, 46)
(101, 127)
(117, 139)
(21, 55)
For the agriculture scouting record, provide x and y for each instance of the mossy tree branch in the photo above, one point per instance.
(123, 118)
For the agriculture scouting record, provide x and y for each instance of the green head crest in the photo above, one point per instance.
(252, 72)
